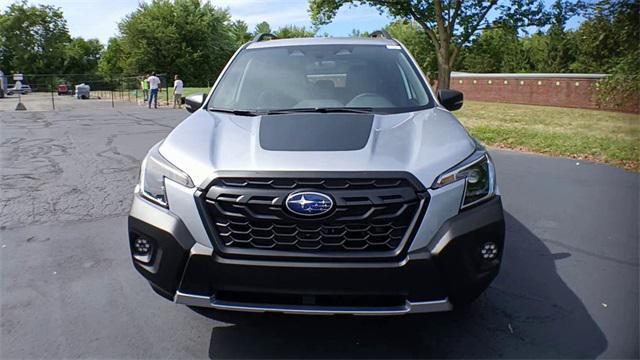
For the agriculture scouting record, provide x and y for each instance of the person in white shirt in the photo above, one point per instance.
(154, 86)
(177, 92)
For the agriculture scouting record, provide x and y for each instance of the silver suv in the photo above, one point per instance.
(319, 176)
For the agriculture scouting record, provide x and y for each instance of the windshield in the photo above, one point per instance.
(373, 77)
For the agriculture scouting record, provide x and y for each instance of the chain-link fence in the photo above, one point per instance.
(44, 92)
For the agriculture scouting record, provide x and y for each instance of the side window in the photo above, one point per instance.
(229, 87)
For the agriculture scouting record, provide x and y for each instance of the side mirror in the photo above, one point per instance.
(194, 102)
(450, 99)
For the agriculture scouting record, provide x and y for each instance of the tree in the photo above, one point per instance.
(610, 33)
(449, 24)
(82, 56)
(33, 39)
(112, 62)
(292, 31)
(262, 28)
(560, 48)
(358, 33)
(608, 42)
(183, 37)
(240, 32)
(496, 50)
(536, 50)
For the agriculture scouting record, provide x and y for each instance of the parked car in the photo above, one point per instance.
(319, 176)
(3, 84)
(64, 89)
(83, 91)
(22, 89)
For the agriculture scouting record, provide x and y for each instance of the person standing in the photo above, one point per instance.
(178, 85)
(144, 85)
(154, 87)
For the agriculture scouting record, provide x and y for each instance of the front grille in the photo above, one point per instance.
(372, 215)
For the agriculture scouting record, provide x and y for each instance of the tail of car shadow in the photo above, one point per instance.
(528, 312)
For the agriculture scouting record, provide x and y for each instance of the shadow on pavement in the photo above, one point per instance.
(528, 312)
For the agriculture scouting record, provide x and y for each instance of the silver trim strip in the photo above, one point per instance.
(409, 307)
(199, 249)
(457, 75)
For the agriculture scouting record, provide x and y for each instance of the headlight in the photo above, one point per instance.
(479, 175)
(155, 168)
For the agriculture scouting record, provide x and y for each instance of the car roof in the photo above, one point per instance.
(321, 41)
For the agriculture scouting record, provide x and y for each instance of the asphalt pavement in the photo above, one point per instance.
(568, 287)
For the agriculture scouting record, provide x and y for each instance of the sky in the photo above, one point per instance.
(99, 18)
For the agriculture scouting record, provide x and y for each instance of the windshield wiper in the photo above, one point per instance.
(235, 112)
(359, 110)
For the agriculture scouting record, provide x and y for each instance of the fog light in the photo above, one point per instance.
(142, 249)
(142, 246)
(489, 250)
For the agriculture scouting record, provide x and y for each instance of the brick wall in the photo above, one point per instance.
(570, 90)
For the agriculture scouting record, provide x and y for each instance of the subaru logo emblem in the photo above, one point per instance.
(308, 203)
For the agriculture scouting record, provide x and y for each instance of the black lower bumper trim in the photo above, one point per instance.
(416, 280)
(456, 271)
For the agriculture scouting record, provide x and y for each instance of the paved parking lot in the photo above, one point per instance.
(568, 287)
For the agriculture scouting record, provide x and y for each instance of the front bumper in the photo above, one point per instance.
(448, 271)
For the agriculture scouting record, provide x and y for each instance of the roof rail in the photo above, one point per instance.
(264, 37)
(381, 34)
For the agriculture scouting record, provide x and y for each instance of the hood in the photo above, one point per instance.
(425, 143)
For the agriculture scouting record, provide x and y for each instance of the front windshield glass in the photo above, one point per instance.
(373, 77)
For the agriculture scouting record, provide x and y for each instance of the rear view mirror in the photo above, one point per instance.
(194, 102)
(450, 99)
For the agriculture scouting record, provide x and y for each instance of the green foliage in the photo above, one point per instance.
(611, 32)
(285, 32)
(606, 42)
(536, 49)
(496, 50)
(609, 42)
(449, 24)
(82, 56)
(183, 37)
(240, 32)
(623, 86)
(32, 39)
(35, 40)
(560, 47)
(357, 33)
(292, 31)
(501, 48)
(262, 28)
(112, 62)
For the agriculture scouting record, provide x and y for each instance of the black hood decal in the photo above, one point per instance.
(315, 132)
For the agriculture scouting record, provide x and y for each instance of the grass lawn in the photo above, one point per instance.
(602, 136)
(195, 90)
(162, 96)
